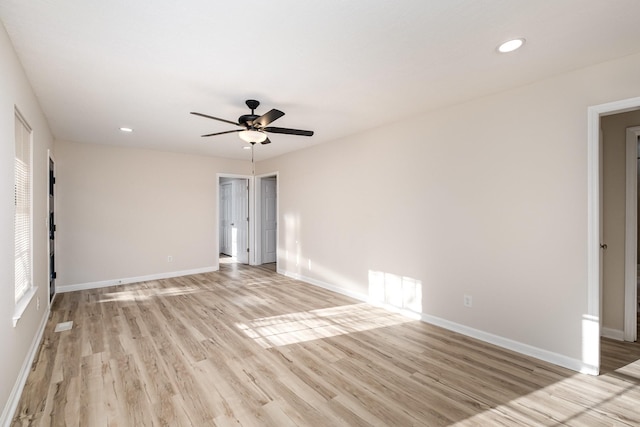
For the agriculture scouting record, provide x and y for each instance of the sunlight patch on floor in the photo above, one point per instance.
(311, 325)
(555, 400)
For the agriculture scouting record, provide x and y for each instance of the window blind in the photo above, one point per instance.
(22, 215)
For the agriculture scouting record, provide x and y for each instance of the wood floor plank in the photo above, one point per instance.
(248, 347)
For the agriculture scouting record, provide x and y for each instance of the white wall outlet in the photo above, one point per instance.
(169, 258)
(37, 303)
(468, 301)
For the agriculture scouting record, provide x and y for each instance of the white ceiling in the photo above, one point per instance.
(333, 66)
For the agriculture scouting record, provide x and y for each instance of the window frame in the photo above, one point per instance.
(23, 296)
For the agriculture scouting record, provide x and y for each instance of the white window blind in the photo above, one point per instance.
(22, 215)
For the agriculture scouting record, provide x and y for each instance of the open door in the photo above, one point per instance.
(241, 219)
(225, 218)
(233, 218)
(52, 230)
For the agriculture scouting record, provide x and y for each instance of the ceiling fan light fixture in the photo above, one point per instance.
(251, 135)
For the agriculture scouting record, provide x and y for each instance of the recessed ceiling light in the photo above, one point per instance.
(126, 129)
(246, 147)
(511, 45)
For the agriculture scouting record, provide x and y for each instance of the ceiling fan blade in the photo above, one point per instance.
(267, 118)
(289, 131)
(266, 141)
(216, 118)
(222, 133)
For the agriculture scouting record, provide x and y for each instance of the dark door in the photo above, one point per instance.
(52, 233)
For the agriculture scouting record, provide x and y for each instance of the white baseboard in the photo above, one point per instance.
(320, 284)
(356, 295)
(527, 350)
(614, 334)
(538, 353)
(127, 280)
(14, 398)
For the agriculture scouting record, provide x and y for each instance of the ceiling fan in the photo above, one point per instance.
(254, 128)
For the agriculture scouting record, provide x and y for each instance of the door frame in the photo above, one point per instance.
(591, 328)
(631, 236)
(250, 198)
(257, 214)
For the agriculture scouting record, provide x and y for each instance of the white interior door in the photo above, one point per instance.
(269, 219)
(240, 225)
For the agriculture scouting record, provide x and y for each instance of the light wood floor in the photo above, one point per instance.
(246, 346)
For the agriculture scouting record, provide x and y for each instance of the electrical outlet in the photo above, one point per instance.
(169, 258)
(37, 303)
(468, 301)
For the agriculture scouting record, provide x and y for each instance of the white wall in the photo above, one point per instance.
(488, 198)
(121, 212)
(15, 91)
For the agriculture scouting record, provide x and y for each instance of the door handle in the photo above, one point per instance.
(603, 246)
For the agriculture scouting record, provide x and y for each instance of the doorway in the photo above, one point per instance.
(591, 326)
(52, 229)
(632, 227)
(619, 218)
(233, 219)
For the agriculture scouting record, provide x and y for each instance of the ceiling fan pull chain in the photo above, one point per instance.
(253, 165)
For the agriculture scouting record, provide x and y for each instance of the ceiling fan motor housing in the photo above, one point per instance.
(247, 119)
